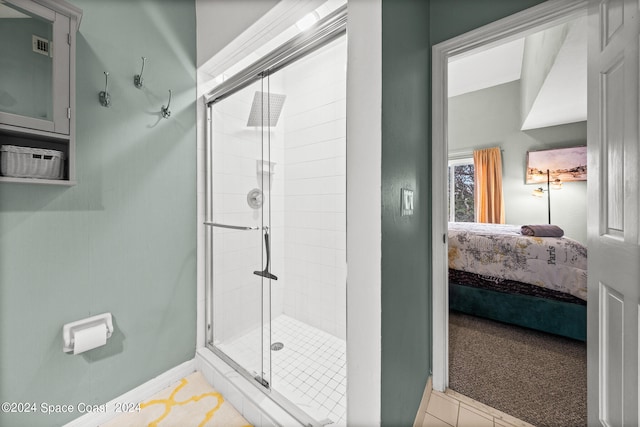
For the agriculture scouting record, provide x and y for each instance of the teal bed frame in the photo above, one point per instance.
(556, 317)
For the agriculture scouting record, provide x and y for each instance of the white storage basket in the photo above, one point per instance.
(27, 162)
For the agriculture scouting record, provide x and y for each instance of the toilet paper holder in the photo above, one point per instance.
(69, 330)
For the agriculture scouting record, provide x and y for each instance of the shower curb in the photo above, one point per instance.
(244, 396)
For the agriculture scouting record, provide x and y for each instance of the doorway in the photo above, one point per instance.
(526, 23)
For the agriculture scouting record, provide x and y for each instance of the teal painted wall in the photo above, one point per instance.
(122, 240)
(406, 266)
(409, 29)
(451, 18)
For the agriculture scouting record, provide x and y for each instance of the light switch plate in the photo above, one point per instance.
(407, 202)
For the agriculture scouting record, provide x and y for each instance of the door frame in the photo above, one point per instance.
(537, 18)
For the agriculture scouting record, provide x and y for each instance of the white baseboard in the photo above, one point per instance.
(137, 395)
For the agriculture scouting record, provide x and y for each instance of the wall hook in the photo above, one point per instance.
(137, 79)
(105, 98)
(165, 110)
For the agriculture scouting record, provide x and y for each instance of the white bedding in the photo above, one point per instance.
(498, 250)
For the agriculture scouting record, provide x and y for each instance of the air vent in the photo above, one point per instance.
(40, 45)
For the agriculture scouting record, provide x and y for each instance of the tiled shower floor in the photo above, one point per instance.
(310, 370)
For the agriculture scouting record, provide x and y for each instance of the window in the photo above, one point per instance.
(461, 190)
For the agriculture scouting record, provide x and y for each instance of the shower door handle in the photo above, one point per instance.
(233, 227)
(266, 273)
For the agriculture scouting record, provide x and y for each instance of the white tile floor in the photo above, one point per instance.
(310, 370)
(451, 409)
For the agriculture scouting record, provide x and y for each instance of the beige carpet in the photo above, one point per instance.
(190, 402)
(537, 377)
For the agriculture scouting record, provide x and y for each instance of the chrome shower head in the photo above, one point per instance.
(266, 109)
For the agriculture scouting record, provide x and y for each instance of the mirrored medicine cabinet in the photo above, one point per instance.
(37, 84)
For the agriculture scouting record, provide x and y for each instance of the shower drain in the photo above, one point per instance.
(277, 346)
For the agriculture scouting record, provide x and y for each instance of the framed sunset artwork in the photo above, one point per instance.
(566, 164)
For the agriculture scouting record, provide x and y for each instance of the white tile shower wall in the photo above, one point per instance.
(315, 189)
(237, 149)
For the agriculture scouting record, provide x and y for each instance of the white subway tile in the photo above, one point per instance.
(319, 113)
(322, 132)
(315, 151)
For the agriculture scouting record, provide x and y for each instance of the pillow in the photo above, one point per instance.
(542, 230)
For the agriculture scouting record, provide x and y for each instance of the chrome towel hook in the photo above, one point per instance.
(105, 98)
(165, 110)
(137, 79)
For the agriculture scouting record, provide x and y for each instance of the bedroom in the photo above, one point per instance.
(517, 97)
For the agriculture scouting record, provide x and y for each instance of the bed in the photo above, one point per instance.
(535, 282)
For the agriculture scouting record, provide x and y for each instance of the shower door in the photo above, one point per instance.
(276, 239)
(239, 229)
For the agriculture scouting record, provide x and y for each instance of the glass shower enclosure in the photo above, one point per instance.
(241, 229)
(276, 231)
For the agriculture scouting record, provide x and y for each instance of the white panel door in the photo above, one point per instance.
(613, 222)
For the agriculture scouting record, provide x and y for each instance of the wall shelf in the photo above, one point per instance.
(62, 182)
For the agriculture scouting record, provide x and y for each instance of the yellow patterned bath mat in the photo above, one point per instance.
(190, 402)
